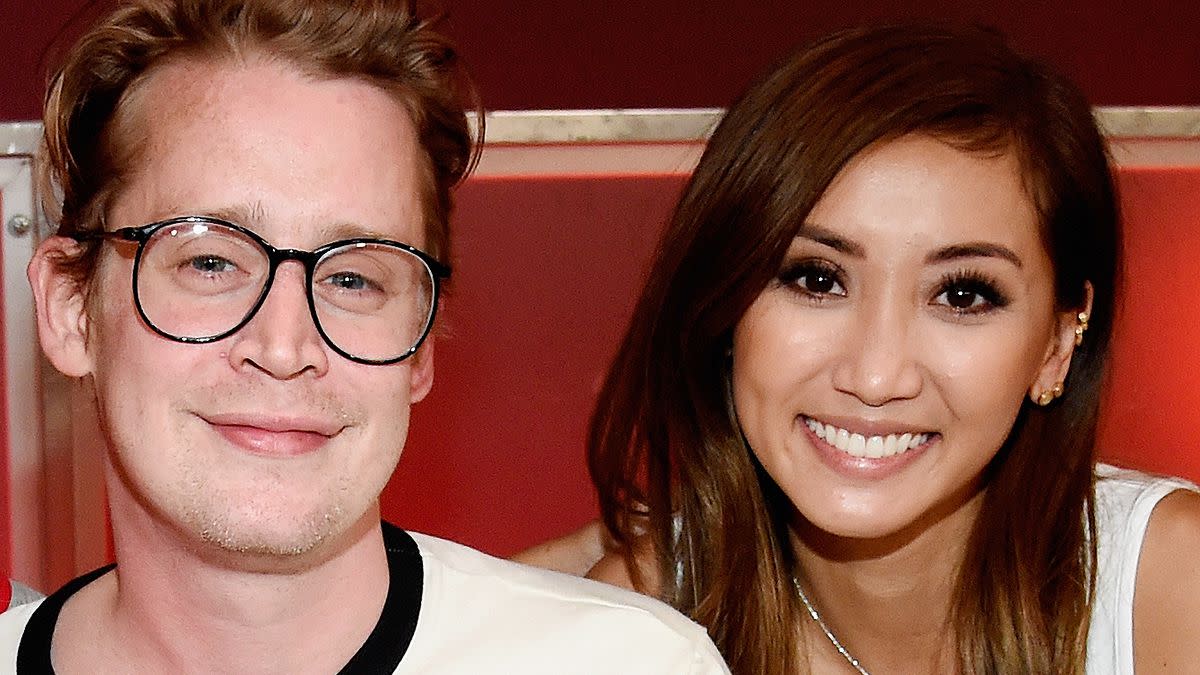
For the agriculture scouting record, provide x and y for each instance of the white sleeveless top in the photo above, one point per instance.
(1124, 501)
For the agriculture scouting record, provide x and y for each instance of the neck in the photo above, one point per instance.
(178, 605)
(888, 601)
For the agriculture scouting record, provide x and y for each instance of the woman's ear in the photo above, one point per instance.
(61, 307)
(1070, 330)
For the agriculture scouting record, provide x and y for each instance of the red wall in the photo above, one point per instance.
(1153, 415)
(545, 275)
(543, 54)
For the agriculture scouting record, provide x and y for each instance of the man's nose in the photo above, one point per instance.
(281, 339)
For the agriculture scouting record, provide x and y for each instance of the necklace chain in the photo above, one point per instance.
(816, 616)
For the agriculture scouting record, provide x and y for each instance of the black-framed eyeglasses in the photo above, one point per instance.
(198, 279)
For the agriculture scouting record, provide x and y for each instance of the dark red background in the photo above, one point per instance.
(542, 54)
(547, 268)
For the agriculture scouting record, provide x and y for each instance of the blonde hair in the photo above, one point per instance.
(88, 151)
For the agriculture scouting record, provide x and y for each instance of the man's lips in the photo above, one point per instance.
(275, 436)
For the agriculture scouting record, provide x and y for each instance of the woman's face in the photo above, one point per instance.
(884, 366)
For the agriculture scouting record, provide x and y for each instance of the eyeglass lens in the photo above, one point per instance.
(198, 281)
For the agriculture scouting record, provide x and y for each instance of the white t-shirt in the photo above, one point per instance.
(452, 609)
(1124, 502)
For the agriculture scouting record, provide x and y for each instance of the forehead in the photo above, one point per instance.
(258, 136)
(918, 192)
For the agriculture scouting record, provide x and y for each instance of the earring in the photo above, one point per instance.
(1081, 327)
(1049, 395)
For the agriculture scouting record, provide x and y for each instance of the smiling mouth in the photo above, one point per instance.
(868, 447)
(266, 442)
(273, 435)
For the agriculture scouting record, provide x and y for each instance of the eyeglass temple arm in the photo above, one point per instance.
(134, 234)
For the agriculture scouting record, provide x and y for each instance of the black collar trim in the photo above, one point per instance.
(380, 654)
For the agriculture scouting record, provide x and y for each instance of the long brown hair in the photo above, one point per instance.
(664, 452)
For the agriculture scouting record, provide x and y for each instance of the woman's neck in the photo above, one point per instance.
(887, 600)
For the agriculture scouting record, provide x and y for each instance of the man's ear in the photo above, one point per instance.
(1062, 345)
(421, 371)
(60, 303)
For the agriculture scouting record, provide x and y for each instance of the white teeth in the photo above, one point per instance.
(858, 445)
(873, 447)
(890, 444)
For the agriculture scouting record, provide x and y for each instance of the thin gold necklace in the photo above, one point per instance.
(816, 616)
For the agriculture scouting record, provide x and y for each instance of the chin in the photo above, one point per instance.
(865, 522)
(272, 531)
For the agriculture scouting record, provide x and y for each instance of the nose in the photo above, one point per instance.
(281, 338)
(878, 362)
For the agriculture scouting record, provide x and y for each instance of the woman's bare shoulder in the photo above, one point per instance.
(591, 552)
(1166, 603)
(617, 568)
(573, 553)
(613, 569)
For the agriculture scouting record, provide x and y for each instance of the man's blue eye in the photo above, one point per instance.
(347, 281)
(211, 264)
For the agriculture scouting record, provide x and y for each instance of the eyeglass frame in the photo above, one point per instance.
(142, 234)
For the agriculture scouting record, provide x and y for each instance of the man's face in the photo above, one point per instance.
(267, 441)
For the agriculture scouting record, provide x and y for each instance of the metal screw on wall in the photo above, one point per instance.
(19, 226)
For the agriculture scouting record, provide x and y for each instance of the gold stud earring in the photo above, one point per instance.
(1045, 398)
(1081, 327)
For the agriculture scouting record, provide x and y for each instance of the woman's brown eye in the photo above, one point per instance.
(818, 282)
(961, 298)
(813, 278)
(970, 293)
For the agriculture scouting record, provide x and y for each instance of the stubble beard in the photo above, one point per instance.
(233, 526)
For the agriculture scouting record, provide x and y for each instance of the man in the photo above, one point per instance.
(254, 209)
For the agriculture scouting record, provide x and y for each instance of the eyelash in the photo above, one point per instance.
(980, 285)
(792, 273)
(983, 287)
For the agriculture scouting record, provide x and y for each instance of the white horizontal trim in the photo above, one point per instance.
(602, 126)
(20, 138)
(1149, 121)
(588, 142)
(695, 124)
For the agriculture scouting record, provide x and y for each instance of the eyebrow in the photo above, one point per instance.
(972, 249)
(834, 241)
(252, 215)
(246, 215)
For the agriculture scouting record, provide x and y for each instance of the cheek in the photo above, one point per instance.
(779, 351)
(384, 396)
(985, 371)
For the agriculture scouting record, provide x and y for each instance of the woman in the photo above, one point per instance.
(852, 424)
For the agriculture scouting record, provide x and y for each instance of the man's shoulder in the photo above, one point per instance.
(538, 616)
(463, 565)
(12, 627)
